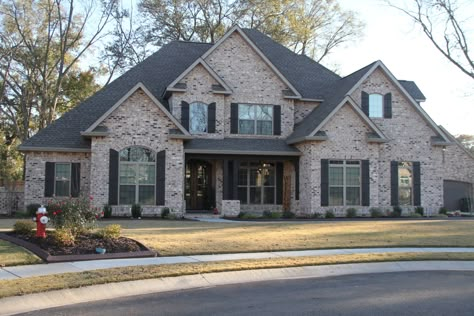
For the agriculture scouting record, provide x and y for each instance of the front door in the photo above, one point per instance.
(198, 185)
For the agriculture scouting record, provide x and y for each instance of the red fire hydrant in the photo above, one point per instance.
(41, 220)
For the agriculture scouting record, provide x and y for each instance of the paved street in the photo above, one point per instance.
(407, 293)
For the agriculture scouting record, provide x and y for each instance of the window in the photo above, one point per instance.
(256, 183)
(375, 105)
(344, 182)
(255, 119)
(197, 118)
(405, 183)
(62, 179)
(137, 176)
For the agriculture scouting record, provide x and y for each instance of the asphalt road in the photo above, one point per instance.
(414, 293)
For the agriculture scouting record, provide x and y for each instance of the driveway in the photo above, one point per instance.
(412, 293)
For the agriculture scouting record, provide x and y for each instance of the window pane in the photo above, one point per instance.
(255, 195)
(336, 196)
(127, 194)
(63, 171)
(405, 183)
(269, 195)
(375, 105)
(127, 174)
(268, 177)
(352, 176)
(264, 128)
(146, 194)
(265, 112)
(198, 118)
(255, 177)
(243, 176)
(62, 188)
(138, 154)
(246, 127)
(246, 112)
(404, 196)
(243, 195)
(336, 176)
(146, 174)
(353, 196)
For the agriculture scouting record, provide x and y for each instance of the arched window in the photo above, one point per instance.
(137, 176)
(197, 118)
(375, 105)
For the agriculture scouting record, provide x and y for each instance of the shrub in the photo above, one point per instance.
(443, 210)
(32, 208)
(64, 237)
(22, 214)
(107, 211)
(375, 212)
(165, 212)
(110, 232)
(288, 214)
(76, 215)
(329, 214)
(24, 227)
(397, 211)
(416, 215)
(270, 214)
(351, 212)
(419, 210)
(317, 215)
(136, 211)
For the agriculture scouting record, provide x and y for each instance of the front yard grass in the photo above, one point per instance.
(11, 255)
(75, 280)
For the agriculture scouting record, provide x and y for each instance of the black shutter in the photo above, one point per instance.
(234, 118)
(365, 171)
(297, 180)
(185, 115)
(394, 182)
(49, 179)
(279, 183)
(160, 177)
(324, 182)
(276, 120)
(211, 118)
(387, 105)
(416, 183)
(75, 179)
(113, 177)
(365, 103)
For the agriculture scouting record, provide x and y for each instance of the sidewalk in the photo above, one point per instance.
(25, 271)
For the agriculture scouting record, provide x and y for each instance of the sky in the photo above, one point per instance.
(390, 36)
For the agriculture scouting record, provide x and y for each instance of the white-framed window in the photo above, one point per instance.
(137, 176)
(257, 183)
(344, 182)
(198, 118)
(62, 179)
(375, 105)
(405, 183)
(255, 119)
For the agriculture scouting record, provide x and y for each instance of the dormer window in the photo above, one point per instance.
(375, 105)
(197, 118)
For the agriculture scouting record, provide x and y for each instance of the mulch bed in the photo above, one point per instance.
(84, 248)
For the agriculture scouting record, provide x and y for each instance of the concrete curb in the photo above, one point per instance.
(32, 302)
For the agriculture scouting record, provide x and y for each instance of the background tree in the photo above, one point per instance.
(447, 26)
(467, 141)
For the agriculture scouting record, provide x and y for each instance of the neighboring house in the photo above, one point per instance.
(245, 124)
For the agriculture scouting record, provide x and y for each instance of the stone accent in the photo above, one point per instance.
(139, 122)
(230, 208)
(35, 173)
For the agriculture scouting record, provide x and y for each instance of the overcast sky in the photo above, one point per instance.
(391, 37)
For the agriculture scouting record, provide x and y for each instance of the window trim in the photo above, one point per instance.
(409, 166)
(255, 120)
(207, 118)
(344, 186)
(70, 178)
(136, 164)
(248, 186)
(382, 105)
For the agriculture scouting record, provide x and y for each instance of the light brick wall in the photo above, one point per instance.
(35, 173)
(302, 109)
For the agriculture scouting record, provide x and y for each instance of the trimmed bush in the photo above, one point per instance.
(351, 212)
(32, 208)
(420, 210)
(241, 214)
(136, 211)
(270, 214)
(375, 212)
(329, 214)
(107, 211)
(317, 215)
(397, 211)
(443, 210)
(165, 212)
(416, 215)
(64, 237)
(288, 214)
(110, 232)
(24, 227)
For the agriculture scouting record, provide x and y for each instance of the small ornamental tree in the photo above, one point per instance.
(73, 214)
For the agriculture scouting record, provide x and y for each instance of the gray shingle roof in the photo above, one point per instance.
(412, 89)
(240, 145)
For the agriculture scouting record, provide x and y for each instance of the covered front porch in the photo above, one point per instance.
(230, 175)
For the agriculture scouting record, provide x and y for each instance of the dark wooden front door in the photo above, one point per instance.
(198, 185)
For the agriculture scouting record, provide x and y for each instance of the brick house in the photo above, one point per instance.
(246, 125)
